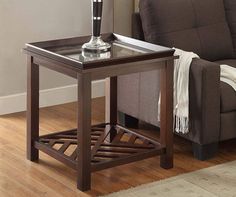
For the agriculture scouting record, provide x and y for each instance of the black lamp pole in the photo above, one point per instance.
(97, 17)
(96, 44)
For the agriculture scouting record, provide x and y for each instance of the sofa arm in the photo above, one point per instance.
(137, 29)
(204, 96)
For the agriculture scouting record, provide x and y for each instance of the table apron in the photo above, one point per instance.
(125, 70)
(56, 66)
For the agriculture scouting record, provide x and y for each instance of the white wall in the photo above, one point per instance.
(136, 5)
(123, 10)
(23, 21)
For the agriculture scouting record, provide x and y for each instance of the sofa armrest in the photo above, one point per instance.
(137, 29)
(204, 96)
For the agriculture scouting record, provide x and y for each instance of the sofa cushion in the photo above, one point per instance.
(228, 94)
(189, 25)
(230, 8)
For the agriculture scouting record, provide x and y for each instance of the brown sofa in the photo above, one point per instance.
(208, 28)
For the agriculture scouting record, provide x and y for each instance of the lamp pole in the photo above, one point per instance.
(96, 44)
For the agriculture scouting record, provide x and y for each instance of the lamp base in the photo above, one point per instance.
(96, 45)
(91, 56)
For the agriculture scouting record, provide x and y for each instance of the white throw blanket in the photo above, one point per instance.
(181, 87)
(228, 75)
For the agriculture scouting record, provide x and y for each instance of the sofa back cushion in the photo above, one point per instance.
(230, 8)
(192, 25)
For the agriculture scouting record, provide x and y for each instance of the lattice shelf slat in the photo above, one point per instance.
(127, 146)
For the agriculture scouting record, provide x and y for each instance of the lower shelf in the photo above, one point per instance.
(125, 147)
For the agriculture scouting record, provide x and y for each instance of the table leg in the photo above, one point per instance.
(84, 132)
(166, 134)
(32, 109)
(111, 104)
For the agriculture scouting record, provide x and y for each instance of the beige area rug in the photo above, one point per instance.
(216, 181)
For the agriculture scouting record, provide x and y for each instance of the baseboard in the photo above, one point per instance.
(55, 96)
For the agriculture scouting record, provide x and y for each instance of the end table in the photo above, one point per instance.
(109, 144)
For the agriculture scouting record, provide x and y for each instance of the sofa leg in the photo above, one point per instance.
(204, 152)
(128, 121)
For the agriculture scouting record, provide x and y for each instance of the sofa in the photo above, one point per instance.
(208, 28)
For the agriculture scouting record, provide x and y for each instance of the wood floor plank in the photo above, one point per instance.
(20, 177)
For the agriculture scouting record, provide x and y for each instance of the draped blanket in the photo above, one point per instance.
(228, 75)
(181, 87)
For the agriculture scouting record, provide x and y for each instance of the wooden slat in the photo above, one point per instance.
(59, 141)
(132, 139)
(55, 154)
(100, 125)
(98, 144)
(74, 154)
(118, 150)
(97, 129)
(51, 142)
(125, 160)
(97, 159)
(94, 138)
(106, 155)
(137, 134)
(118, 136)
(67, 136)
(96, 134)
(140, 146)
(146, 142)
(64, 147)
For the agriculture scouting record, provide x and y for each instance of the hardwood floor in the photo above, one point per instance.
(20, 177)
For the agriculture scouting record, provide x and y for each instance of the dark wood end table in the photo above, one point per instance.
(109, 144)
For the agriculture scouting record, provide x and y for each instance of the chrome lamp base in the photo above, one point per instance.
(96, 45)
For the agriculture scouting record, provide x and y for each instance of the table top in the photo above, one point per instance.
(123, 50)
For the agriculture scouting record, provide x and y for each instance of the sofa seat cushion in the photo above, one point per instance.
(228, 94)
(191, 25)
